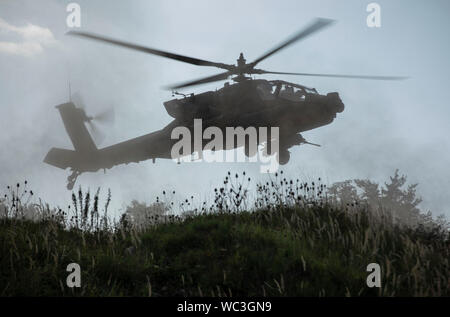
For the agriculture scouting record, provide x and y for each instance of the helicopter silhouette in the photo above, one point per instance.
(247, 102)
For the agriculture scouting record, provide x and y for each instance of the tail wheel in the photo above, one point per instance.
(72, 179)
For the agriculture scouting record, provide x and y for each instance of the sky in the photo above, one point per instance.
(385, 125)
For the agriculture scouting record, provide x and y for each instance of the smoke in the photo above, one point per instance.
(386, 125)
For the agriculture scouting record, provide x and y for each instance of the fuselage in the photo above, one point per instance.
(253, 103)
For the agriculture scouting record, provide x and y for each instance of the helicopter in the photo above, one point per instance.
(246, 102)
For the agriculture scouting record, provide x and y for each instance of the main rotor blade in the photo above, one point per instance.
(181, 58)
(314, 27)
(204, 80)
(260, 71)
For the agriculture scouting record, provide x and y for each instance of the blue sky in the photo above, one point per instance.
(386, 125)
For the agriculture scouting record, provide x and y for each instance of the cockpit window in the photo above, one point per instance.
(292, 93)
(266, 91)
(280, 89)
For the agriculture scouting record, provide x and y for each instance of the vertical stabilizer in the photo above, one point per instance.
(74, 119)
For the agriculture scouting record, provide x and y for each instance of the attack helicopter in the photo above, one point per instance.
(246, 102)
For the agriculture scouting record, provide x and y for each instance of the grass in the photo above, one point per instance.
(290, 244)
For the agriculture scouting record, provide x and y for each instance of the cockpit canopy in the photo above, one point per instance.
(270, 90)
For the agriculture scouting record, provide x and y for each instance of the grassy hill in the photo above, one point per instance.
(305, 248)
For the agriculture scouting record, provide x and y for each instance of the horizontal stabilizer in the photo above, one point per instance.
(61, 158)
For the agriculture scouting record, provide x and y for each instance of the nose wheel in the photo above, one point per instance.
(72, 179)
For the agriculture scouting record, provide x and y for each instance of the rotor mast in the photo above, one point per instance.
(241, 69)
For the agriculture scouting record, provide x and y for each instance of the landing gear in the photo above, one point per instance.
(72, 179)
(283, 157)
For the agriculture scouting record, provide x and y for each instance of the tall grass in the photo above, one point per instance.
(293, 238)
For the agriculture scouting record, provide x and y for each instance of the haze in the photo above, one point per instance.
(386, 125)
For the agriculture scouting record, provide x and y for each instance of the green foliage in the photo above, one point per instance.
(298, 240)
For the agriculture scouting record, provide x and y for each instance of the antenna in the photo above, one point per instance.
(70, 93)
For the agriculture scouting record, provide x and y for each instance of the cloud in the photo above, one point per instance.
(32, 39)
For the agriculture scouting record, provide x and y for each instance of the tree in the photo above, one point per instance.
(344, 192)
(141, 215)
(401, 202)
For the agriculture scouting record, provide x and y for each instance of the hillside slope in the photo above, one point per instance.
(313, 250)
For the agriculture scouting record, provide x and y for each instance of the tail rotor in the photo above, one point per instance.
(104, 117)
